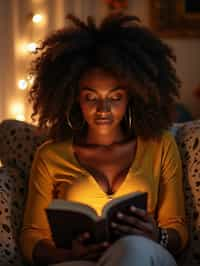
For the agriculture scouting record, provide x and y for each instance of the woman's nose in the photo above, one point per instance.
(103, 106)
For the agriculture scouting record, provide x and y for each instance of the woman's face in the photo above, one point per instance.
(103, 101)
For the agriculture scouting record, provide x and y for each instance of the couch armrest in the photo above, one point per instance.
(18, 142)
(12, 198)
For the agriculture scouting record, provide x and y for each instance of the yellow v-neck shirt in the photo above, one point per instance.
(56, 173)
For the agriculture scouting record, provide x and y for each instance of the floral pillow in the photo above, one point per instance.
(188, 139)
(12, 197)
(19, 141)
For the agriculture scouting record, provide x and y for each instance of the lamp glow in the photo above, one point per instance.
(37, 18)
(20, 117)
(32, 47)
(22, 84)
(30, 79)
(17, 108)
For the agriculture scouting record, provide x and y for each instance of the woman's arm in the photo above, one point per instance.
(35, 225)
(45, 253)
(170, 208)
(35, 239)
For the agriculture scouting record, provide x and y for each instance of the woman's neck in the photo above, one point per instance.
(104, 139)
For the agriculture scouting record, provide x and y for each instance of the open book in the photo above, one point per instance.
(69, 219)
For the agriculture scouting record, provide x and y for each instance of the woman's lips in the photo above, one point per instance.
(103, 121)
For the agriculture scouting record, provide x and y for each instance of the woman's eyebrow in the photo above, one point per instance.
(93, 90)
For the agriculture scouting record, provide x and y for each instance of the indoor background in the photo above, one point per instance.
(21, 33)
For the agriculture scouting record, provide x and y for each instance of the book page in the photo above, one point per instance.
(64, 205)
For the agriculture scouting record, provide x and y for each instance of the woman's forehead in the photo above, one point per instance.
(100, 78)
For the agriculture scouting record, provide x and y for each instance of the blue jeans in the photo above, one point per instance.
(130, 251)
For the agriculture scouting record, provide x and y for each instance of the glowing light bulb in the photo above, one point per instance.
(32, 47)
(20, 117)
(22, 84)
(30, 79)
(17, 108)
(37, 18)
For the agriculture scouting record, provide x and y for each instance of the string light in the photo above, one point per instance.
(17, 110)
(37, 18)
(20, 117)
(30, 79)
(22, 84)
(32, 47)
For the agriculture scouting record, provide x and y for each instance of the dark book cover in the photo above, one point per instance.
(70, 219)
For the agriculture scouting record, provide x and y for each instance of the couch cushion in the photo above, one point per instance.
(18, 142)
(12, 197)
(188, 139)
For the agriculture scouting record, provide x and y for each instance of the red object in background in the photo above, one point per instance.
(196, 92)
(117, 4)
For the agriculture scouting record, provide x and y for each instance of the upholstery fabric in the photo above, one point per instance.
(12, 197)
(188, 139)
(18, 142)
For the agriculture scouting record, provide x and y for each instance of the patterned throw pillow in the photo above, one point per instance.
(19, 141)
(188, 139)
(12, 198)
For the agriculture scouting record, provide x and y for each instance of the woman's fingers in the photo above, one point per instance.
(95, 251)
(139, 212)
(138, 221)
(83, 237)
(88, 251)
(122, 230)
(135, 222)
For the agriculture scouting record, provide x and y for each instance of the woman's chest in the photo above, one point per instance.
(108, 166)
(85, 189)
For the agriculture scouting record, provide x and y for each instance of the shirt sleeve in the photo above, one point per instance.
(35, 225)
(171, 208)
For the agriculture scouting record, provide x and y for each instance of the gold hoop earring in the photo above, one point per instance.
(130, 119)
(69, 123)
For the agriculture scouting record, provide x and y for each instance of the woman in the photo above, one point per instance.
(106, 94)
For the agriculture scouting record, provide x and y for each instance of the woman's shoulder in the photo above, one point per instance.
(168, 136)
(165, 137)
(51, 146)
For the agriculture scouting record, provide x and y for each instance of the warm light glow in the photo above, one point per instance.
(17, 108)
(37, 18)
(32, 47)
(30, 79)
(20, 117)
(22, 84)
(1, 163)
(17, 111)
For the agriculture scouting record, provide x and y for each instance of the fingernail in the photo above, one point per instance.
(133, 208)
(113, 224)
(105, 244)
(86, 235)
(120, 215)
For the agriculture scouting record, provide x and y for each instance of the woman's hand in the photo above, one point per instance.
(81, 250)
(138, 222)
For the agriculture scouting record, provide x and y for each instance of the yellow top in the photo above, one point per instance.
(57, 174)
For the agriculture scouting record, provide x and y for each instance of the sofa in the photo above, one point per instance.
(18, 142)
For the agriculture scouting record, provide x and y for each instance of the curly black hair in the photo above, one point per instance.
(119, 45)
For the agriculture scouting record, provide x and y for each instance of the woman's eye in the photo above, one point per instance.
(91, 98)
(116, 98)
